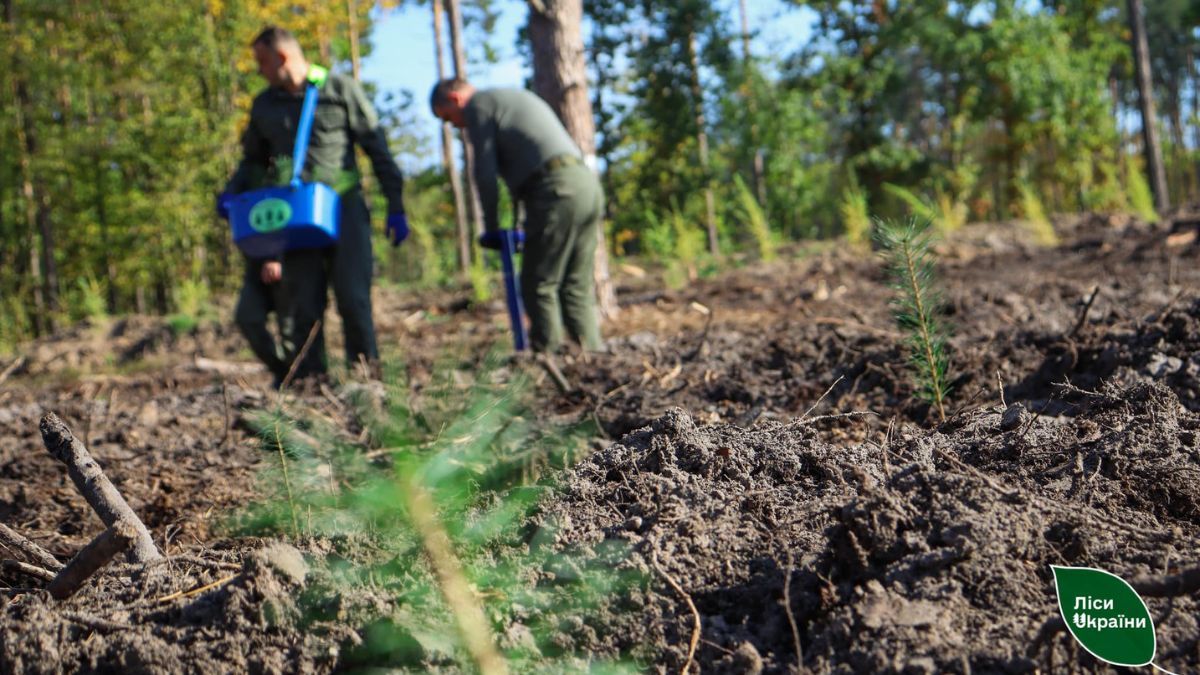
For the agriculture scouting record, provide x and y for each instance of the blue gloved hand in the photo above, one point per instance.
(223, 201)
(495, 238)
(396, 227)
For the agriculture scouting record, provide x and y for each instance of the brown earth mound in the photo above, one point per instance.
(927, 552)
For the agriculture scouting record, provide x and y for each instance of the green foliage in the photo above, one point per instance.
(856, 219)
(1034, 217)
(755, 221)
(907, 249)
(90, 302)
(1141, 198)
(481, 455)
(481, 280)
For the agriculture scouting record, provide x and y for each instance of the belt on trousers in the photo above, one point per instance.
(548, 167)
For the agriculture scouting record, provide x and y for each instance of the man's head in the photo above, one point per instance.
(280, 58)
(449, 99)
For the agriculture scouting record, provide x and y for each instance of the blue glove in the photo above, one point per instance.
(495, 238)
(396, 228)
(223, 201)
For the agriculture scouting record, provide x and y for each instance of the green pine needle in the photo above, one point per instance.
(910, 263)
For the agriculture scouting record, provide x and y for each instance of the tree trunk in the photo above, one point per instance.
(1141, 59)
(760, 183)
(352, 28)
(560, 77)
(461, 228)
(454, 9)
(37, 209)
(710, 211)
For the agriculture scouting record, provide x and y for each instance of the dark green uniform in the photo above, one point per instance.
(517, 137)
(343, 118)
(256, 302)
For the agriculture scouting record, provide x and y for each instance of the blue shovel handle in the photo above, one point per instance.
(512, 289)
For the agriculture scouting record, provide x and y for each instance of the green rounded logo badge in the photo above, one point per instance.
(270, 215)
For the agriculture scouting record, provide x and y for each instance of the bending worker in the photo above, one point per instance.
(517, 136)
(344, 117)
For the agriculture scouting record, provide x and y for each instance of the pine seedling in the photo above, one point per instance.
(910, 262)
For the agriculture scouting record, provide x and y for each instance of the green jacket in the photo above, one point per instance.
(344, 117)
(513, 133)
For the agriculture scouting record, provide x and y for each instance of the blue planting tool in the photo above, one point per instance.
(269, 221)
(512, 288)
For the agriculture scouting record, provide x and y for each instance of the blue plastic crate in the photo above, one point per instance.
(272, 220)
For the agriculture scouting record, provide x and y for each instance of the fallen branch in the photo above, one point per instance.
(28, 570)
(1187, 581)
(12, 368)
(115, 539)
(95, 487)
(32, 551)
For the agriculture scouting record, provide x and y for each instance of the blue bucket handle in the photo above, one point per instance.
(303, 132)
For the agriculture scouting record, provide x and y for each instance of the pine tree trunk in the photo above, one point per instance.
(1141, 59)
(560, 77)
(710, 210)
(37, 215)
(461, 228)
(760, 183)
(352, 28)
(454, 10)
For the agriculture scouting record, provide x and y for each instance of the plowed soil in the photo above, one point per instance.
(783, 499)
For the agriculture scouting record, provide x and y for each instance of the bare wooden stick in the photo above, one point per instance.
(30, 550)
(28, 570)
(95, 487)
(99, 551)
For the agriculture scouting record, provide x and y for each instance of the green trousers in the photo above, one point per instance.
(255, 303)
(347, 267)
(563, 210)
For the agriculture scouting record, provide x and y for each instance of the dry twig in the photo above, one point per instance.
(198, 590)
(814, 405)
(30, 550)
(787, 607)
(28, 570)
(1087, 306)
(691, 654)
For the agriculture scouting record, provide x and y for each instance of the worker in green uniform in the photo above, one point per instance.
(344, 118)
(517, 137)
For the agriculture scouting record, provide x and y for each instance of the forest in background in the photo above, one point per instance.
(120, 123)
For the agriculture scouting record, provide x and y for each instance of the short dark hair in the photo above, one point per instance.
(274, 37)
(440, 96)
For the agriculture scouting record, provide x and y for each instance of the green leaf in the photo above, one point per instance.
(1105, 615)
